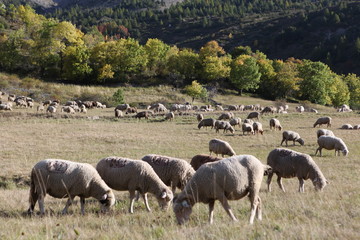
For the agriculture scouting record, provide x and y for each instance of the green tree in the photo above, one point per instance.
(156, 51)
(211, 49)
(118, 97)
(244, 73)
(214, 68)
(76, 63)
(339, 91)
(241, 50)
(186, 63)
(353, 83)
(195, 90)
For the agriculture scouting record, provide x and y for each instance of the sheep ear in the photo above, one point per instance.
(185, 204)
(163, 194)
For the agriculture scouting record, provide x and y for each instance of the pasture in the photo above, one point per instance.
(27, 137)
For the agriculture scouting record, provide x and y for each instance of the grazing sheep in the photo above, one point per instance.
(172, 171)
(300, 109)
(119, 113)
(62, 178)
(313, 110)
(323, 120)
(143, 114)
(270, 109)
(228, 179)
(125, 174)
(219, 108)
(223, 125)
(330, 143)
(207, 122)
(291, 136)
(40, 107)
(220, 147)
(122, 107)
(248, 121)
(356, 127)
(11, 98)
(51, 109)
(248, 107)
(253, 115)
(68, 109)
(131, 110)
(247, 127)
(275, 123)
(286, 163)
(241, 107)
(233, 107)
(227, 115)
(199, 117)
(170, 116)
(5, 107)
(235, 121)
(347, 126)
(257, 126)
(325, 132)
(201, 159)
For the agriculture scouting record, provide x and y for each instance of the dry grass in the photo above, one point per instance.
(27, 138)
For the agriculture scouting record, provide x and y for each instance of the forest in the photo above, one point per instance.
(54, 50)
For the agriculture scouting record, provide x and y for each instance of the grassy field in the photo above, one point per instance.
(28, 137)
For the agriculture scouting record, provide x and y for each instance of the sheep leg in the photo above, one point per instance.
(68, 203)
(132, 199)
(146, 202)
(227, 208)
(211, 211)
(301, 185)
(33, 199)
(269, 181)
(254, 207)
(41, 204)
(82, 205)
(258, 210)
(280, 183)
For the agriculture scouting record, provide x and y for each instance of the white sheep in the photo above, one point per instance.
(347, 126)
(172, 171)
(257, 126)
(228, 179)
(325, 132)
(235, 121)
(323, 120)
(199, 117)
(248, 127)
(330, 143)
(291, 136)
(286, 163)
(62, 178)
(125, 174)
(5, 107)
(300, 109)
(220, 147)
(207, 122)
(223, 125)
(51, 109)
(228, 115)
(170, 116)
(275, 123)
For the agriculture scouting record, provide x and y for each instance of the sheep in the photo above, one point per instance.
(253, 115)
(201, 159)
(169, 116)
(235, 121)
(330, 143)
(68, 109)
(125, 174)
(40, 107)
(325, 132)
(223, 125)
(143, 114)
(257, 126)
(300, 109)
(233, 107)
(62, 178)
(356, 127)
(51, 109)
(313, 110)
(227, 115)
(291, 136)
(247, 127)
(228, 179)
(172, 171)
(248, 121)
(275, 123)
(199, 117)
(11, 98)
(5, 107)
(131, 110)
(323, 120)
(347, 126)
(270, 109)
(241, 107)
(286, 163)
(122, 107)
(220, 147)
(248, 107)
(219, 108)
(207, 122)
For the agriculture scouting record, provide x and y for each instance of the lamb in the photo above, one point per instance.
(125, 174)
(247, 127)
(201, 159)
(223, 125)
(169, 116)
(199, 117)
(172, 171)
(291, 136)
(228, 179)
(227, 115)
(347, 126)
(207, 122)
(62, 178)
(330, 143)
(325, 132)
(253, 115)
(275, 123)
(220, 147)
(286, 163)
(323, 120)
(257, 126)
(235, 121)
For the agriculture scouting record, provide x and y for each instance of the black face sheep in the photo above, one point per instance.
(323, 120)
(247, 128)
(275, 124)
(257, 126)
(61, 178)
(223, 125)
(228, 179)
(220, 147)
(124, 174)
(291, 136)
(172, 171)
(207, 122)
(200, 159)
(287, 163)
(325, 132)
(330, 143)
(253, 115)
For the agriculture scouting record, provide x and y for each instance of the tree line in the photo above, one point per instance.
(53, 49)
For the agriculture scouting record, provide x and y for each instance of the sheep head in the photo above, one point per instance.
(106, 201)
(182, 208)
(165, 198)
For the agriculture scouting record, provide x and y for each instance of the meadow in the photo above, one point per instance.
(27, 137)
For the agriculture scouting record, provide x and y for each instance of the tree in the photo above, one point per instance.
(186, 63)
(244, 73)
(118, 97)
(156, 51)
(76, 59)
(241, 50)
(339, 91)
(353, 83)
(195, 90)
(214, 68)
(211, 49)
